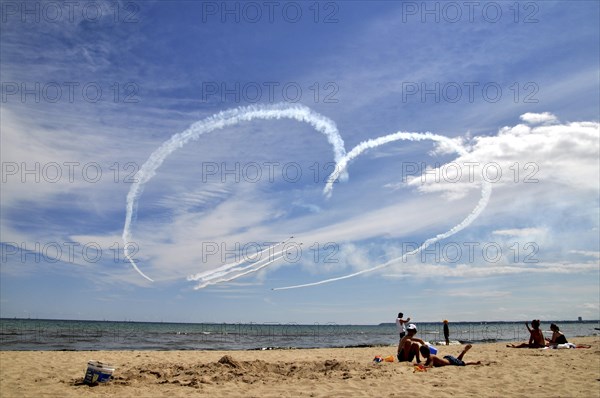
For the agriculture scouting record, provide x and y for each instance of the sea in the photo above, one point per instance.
(73, 335)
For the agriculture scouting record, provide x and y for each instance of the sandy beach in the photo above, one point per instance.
(305, 373)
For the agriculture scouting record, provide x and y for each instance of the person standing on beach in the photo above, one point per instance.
(446, 332)
(400, 324)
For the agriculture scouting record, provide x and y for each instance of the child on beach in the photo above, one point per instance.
(434, 361)
(408, 348)
(536, 337)
(400, 324)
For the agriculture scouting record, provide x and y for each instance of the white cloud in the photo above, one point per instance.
(537, 118)
(209, 195)
(478, 293)
(586, 253)
(551, 158)
(591, 306)
(520, 232)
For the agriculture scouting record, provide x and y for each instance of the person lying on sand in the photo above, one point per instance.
(408, 348)
(536, 337)
(434, 361)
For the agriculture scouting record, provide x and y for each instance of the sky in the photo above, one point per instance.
(202, 135)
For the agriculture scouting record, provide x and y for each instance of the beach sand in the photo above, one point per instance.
(343, 372)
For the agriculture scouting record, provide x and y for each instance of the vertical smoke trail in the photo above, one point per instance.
(486, 192)
(219, 121)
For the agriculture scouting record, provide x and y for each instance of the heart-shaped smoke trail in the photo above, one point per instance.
(229, 272)
(216, 122)
(486, 192)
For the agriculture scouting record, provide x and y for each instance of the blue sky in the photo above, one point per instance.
(89, 93)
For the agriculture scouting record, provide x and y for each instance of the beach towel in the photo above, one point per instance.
(566, 345)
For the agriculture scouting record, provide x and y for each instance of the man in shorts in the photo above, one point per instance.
(434, 361)
(408, 348)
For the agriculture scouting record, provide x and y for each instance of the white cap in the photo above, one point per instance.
(412, 326)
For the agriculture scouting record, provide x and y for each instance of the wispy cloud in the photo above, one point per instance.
(470, 293)
(537, 118)
(470, 271)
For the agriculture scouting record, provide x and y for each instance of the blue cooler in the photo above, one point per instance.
(432, 349)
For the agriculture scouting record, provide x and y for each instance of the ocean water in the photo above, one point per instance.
(37, 334)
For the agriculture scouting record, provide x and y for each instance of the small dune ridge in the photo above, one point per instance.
(227, 369)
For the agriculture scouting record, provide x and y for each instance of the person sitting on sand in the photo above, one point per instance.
(536, 337)
(434, 361)
(409, 345)
(557, 336)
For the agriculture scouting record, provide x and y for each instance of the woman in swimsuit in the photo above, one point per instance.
(557, 336)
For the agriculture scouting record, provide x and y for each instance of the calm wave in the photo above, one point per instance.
(31, 334)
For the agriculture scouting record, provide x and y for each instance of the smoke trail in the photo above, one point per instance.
(342, 165)
(217, 273)
(257, 264)
(216, 122)
(486, 192)
(225, 267)
(209, 282)
(208, 278)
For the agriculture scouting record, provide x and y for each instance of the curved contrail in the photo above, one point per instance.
(342, 165)
(221, 120)
(486, 191)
